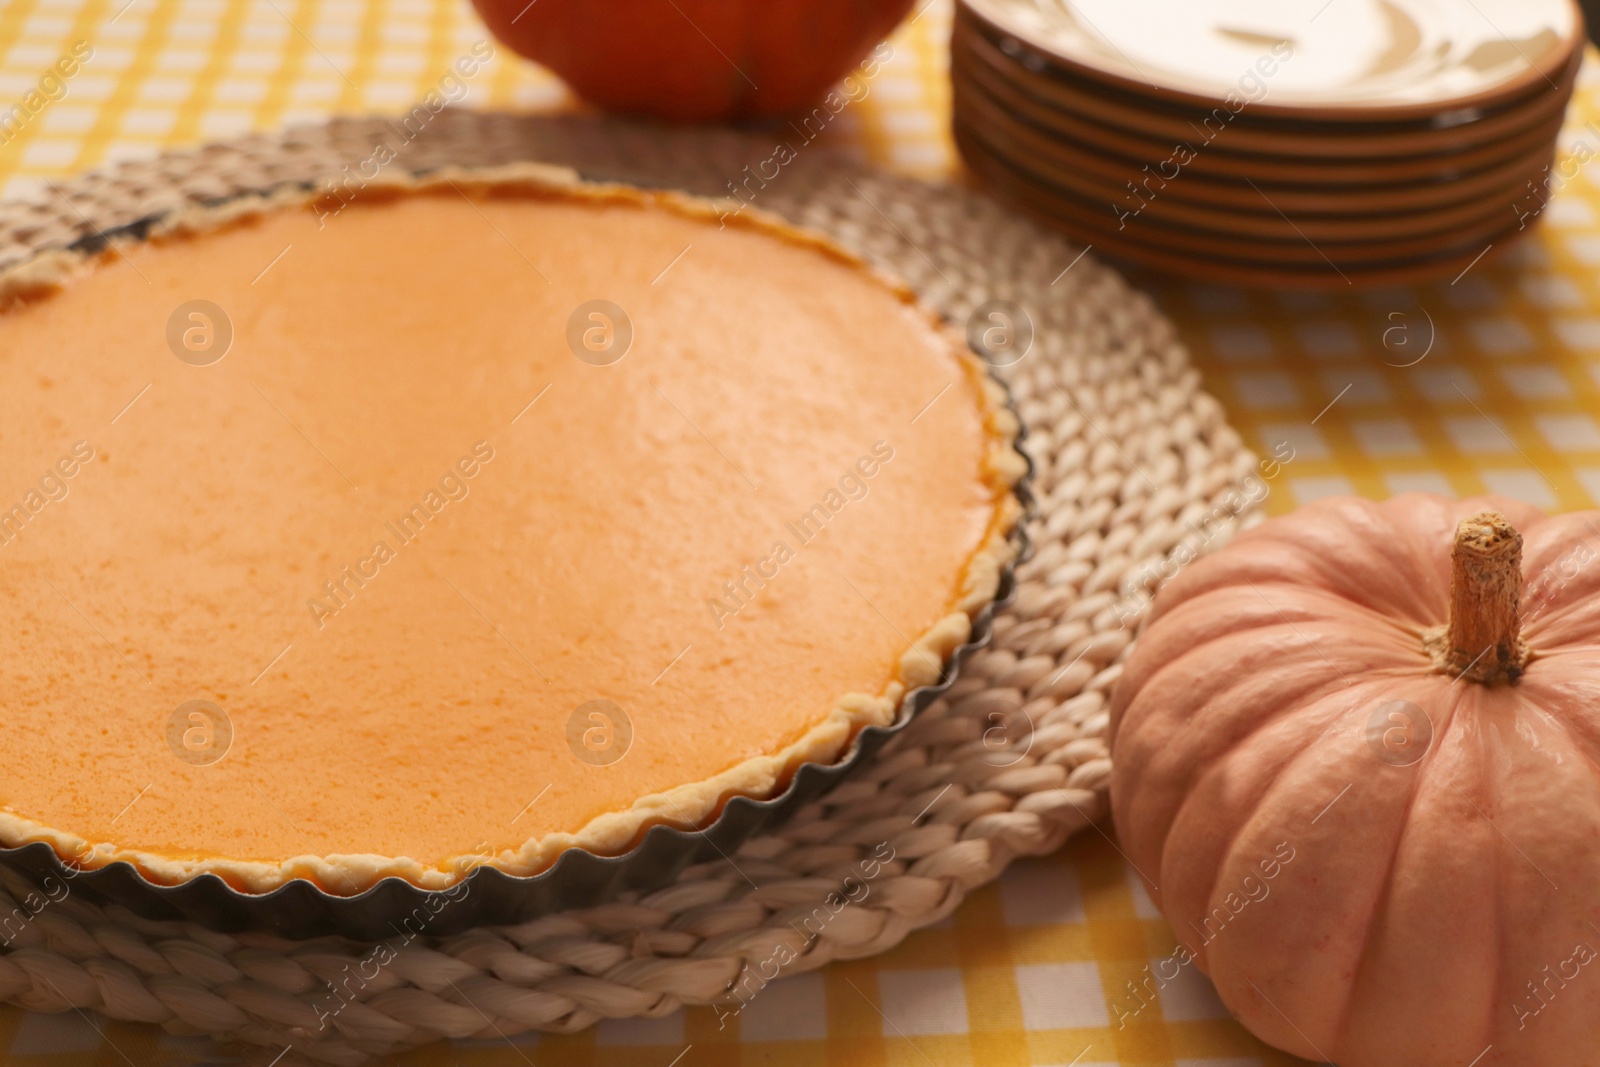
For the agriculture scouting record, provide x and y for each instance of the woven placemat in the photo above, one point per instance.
(1136, 470)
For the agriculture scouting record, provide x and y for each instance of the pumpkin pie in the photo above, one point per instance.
(423, 524)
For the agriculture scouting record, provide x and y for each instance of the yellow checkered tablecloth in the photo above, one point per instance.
(1488, 383)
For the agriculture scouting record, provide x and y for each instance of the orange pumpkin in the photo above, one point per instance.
(1355, 761)
(697, 59)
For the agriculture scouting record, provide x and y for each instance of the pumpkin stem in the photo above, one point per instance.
(1481, 642)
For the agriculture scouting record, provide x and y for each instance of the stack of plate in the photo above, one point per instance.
(1303, 143)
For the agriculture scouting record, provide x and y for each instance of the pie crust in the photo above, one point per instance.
(694, 803)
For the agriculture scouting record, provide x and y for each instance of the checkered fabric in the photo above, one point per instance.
(1490, 382)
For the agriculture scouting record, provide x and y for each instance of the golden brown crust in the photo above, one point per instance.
(615, 832)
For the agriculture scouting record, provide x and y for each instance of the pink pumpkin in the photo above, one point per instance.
(1357, 763)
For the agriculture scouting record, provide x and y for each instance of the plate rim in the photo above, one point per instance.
(1525, 83)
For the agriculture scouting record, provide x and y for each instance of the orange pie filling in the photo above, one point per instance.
(465, 520)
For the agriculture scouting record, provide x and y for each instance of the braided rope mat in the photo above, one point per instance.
(1130, 458)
